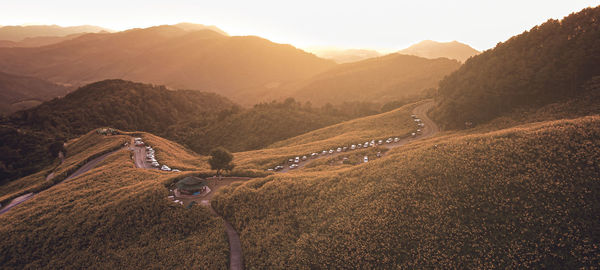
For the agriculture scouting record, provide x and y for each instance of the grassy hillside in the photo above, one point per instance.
(382, 79)
(172, 56)
(115, 216)
(433, 49)
(396, 123)
(550, 63)
(79, 151)
(22, 92)
(520, 197)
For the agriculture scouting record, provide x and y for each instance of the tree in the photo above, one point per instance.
(220, 159)
(56, 147)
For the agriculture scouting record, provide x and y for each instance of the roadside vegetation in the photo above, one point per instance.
(514, 198)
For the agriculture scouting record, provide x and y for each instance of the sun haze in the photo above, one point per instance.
(383, 25)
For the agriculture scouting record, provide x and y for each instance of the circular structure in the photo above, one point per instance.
(191, 186)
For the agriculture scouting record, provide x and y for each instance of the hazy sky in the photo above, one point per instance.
(344, 23)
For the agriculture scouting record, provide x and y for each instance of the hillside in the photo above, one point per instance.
(342, 56)
(239, 66)
(551, 63)
(382, 79)
(18, 33)
(433, 49)
(113, 217)
(38, 41)
(22, 92)
(521, 197)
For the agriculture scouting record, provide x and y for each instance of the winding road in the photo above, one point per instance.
(429, 130)
(83, 169)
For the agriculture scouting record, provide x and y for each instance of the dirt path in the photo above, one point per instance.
(86, 167)
(429, 130)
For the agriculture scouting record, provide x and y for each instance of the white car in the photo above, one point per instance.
(418, 131)
(331, 151)
(313, 155)
(372, 144)
(389, 140)
(366, 159)
(359, 145)
(155, 164)
(396, 139)
(353, 147)
(297, 159)
(175, 170)
(293, 166)
(366, 144)
(165, 168)
(304, 158)
(324, 152)
(339, 149)
(380, 142)
(345, 148)
(413, 134)
(413, 115)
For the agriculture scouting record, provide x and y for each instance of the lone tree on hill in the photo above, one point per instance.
(220, 159)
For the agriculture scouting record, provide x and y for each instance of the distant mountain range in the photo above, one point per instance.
(18, 33)
(345, 56)
(22, 92)
(205, 60)
(381, 79)
(433, 49)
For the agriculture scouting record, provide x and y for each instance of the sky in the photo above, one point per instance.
(374, 24)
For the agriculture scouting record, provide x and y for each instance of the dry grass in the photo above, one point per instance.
(396, 123)
(113, 217)
(515, 198)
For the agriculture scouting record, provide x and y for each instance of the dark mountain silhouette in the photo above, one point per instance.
(18, 33)
(433, 49)
(203, 60)
(382, 79)
(552, 62)
(22, 92)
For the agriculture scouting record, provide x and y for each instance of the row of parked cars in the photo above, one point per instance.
(293, 162)
(150, 158)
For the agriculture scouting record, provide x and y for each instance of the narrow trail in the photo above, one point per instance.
(83, 169)
(236, 259)
(429, 130)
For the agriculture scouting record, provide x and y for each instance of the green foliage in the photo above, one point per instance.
(547, 64)
(220, 159)
(518, 198)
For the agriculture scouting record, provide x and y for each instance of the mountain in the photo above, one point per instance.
(195, 27)
(22, 92)
(18, 33)
(204, 60)
(381, 79)
(38, 41)
(551, 63)
(433, 49)
(345, 56)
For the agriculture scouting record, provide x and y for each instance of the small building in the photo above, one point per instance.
(191, 185)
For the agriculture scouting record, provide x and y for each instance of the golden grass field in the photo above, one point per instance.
(513, 198)
(113, 217)
(396, 123)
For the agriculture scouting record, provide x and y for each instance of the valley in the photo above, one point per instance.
(188, 146)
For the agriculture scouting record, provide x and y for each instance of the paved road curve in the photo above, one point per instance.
(86, 167)
(429, 130)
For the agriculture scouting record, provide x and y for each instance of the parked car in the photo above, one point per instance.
(366, 144)
(380, 142)
(359, 145)
(378, 154)
(165, 168)
(413, 115)
(324, 152)
(389, 140)
(339, 149)
(270, 169)
(366, 159)
(331, 151)
(304, 158)
(345, 148)
(413, 134)
(278, 168)
(396, 139)
(313, 155)
(291, 160)
(293, 166)
(372, 144)
(353, 147)
(175, 170)
(418, 131)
